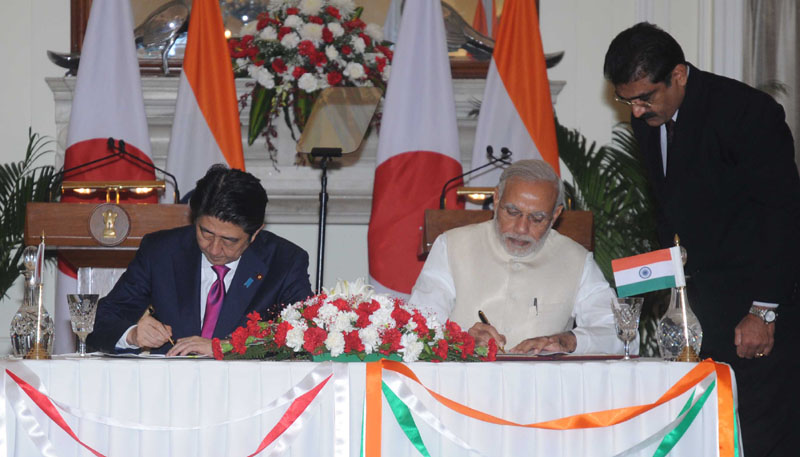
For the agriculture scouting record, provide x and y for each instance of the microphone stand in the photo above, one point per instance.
(505, 154)
(326, 154)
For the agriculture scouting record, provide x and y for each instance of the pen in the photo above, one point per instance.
(536, 305)
(485, 320)
(152, 311)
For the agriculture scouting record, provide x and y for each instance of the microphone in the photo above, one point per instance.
(505, 154)
(122, 152)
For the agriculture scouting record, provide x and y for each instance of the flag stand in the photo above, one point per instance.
(336, 126)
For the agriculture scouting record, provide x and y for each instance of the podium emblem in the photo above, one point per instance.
(109, 224)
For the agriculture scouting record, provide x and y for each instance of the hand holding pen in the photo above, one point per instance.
(484, 331)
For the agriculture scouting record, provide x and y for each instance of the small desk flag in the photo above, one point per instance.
(647, 272)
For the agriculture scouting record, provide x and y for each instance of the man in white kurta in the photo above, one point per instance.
(532, 283)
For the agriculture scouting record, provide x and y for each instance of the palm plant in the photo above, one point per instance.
(611, 182)
(20, 183)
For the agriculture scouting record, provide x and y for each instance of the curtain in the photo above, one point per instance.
(771, 60)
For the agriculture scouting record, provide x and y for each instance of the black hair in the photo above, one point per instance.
(231, 196)
(642, 50)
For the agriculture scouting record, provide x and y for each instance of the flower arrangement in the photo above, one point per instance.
(299, 47)
(351, 319)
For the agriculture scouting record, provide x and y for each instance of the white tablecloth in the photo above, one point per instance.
(196, 393)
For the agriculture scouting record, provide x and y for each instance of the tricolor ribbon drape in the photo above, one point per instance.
(587, 420)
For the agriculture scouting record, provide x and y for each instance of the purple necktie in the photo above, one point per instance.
(216, 295)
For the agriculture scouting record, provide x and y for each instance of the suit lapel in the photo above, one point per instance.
(680, 156)
(187, 283)
(239, 296)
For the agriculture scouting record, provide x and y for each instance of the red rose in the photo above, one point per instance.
(280, 333)
(333, 11)
(283, 31)
(306, 48)
(290, 11)
(441, 349)
(346, 50)
(314, 340)
(298, 72)
(278, 65)
(327, 35)
(216, 347)
(340, 303)
(312, 311)
(400, 316)
(352, 342)
(315, 20)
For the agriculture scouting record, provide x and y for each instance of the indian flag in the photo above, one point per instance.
(642, 273)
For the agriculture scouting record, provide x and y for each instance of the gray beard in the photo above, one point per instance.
(534, 247)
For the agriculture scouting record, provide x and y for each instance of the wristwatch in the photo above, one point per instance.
(766, 314)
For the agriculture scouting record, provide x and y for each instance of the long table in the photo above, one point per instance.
(134, 407)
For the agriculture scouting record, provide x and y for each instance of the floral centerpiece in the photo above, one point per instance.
(299, 47)
(352, 320)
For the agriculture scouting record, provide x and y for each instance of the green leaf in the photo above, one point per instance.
(260, 107)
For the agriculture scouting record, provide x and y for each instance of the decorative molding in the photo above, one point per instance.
(293, 190)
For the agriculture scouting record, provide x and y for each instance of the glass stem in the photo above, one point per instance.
(627, 350)
(82, 347)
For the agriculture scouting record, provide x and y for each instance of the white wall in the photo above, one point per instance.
(581, 28)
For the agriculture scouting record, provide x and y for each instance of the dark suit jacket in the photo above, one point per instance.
(272, 272)
(732, 194)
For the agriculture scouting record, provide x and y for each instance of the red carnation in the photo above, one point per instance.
(354, 24)
(352, 342)
(216, 347)
(400, 316)
(290, 11)
(441, 349)
(278, 65)
(327, 35)
(385, 51)
(367, 39)
(298, 72)
(422, 325)
(314, 340)
(262, 22)
(467, 345)
(306, 48)
(340, 303)
(280, 333)
(392, 338)
(315, 20)
(318, 59)
(346, 50)
(238, 340)
(452, 329)
(333, 11)
(381, 61)
(283, 31)
(258, 62)
(492, 355)
(311, 312)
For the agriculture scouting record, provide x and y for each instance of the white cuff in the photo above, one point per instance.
(122, 343)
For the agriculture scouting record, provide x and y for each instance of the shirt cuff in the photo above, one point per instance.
(765, 304)
(122, 343)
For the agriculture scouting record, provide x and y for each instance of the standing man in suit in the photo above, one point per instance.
(720, 158)
(203, 279)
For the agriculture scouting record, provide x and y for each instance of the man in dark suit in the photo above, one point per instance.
(203, 279)
(721, 163)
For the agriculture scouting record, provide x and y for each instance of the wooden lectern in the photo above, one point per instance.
(577, 225)
(66, 228)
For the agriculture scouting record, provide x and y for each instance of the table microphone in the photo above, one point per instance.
(505, 154)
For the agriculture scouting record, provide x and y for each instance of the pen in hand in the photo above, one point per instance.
(152, 311)
(485, 320)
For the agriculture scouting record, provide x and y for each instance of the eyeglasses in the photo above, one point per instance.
(635, 102)
(537, 218)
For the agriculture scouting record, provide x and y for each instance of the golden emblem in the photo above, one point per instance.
(109, 217)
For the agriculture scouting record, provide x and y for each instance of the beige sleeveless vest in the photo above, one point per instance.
(487, 278)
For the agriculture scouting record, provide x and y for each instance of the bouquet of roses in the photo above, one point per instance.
(351, 319)
(298, 47)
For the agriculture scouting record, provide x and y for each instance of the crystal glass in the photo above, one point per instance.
(82, 309)
(671, 333)
(626, 319)
(26, 321)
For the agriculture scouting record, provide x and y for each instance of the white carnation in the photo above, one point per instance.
(369, 336)
(327, 312)
(242, 63)
(268, 33)
(294, 21)
(307, 82)
(290, 40)
(344, 322)
(294, 338)
(412, 347)
(335, 343)
(278, 5)
(290, 313)
(358, 44)
(310, 7)
(322, 80)
(374, 31)
(336, 29)
(354, 70)
(387, 71)
(331, 53)
(312, 32)
(289, 74)
(265, 78)
(384, 300)
(346, 7)
(382, 318)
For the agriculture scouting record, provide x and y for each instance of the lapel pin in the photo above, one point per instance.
(248, 282)
(259, 276)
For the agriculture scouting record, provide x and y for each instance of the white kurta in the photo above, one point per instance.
(469, 270)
